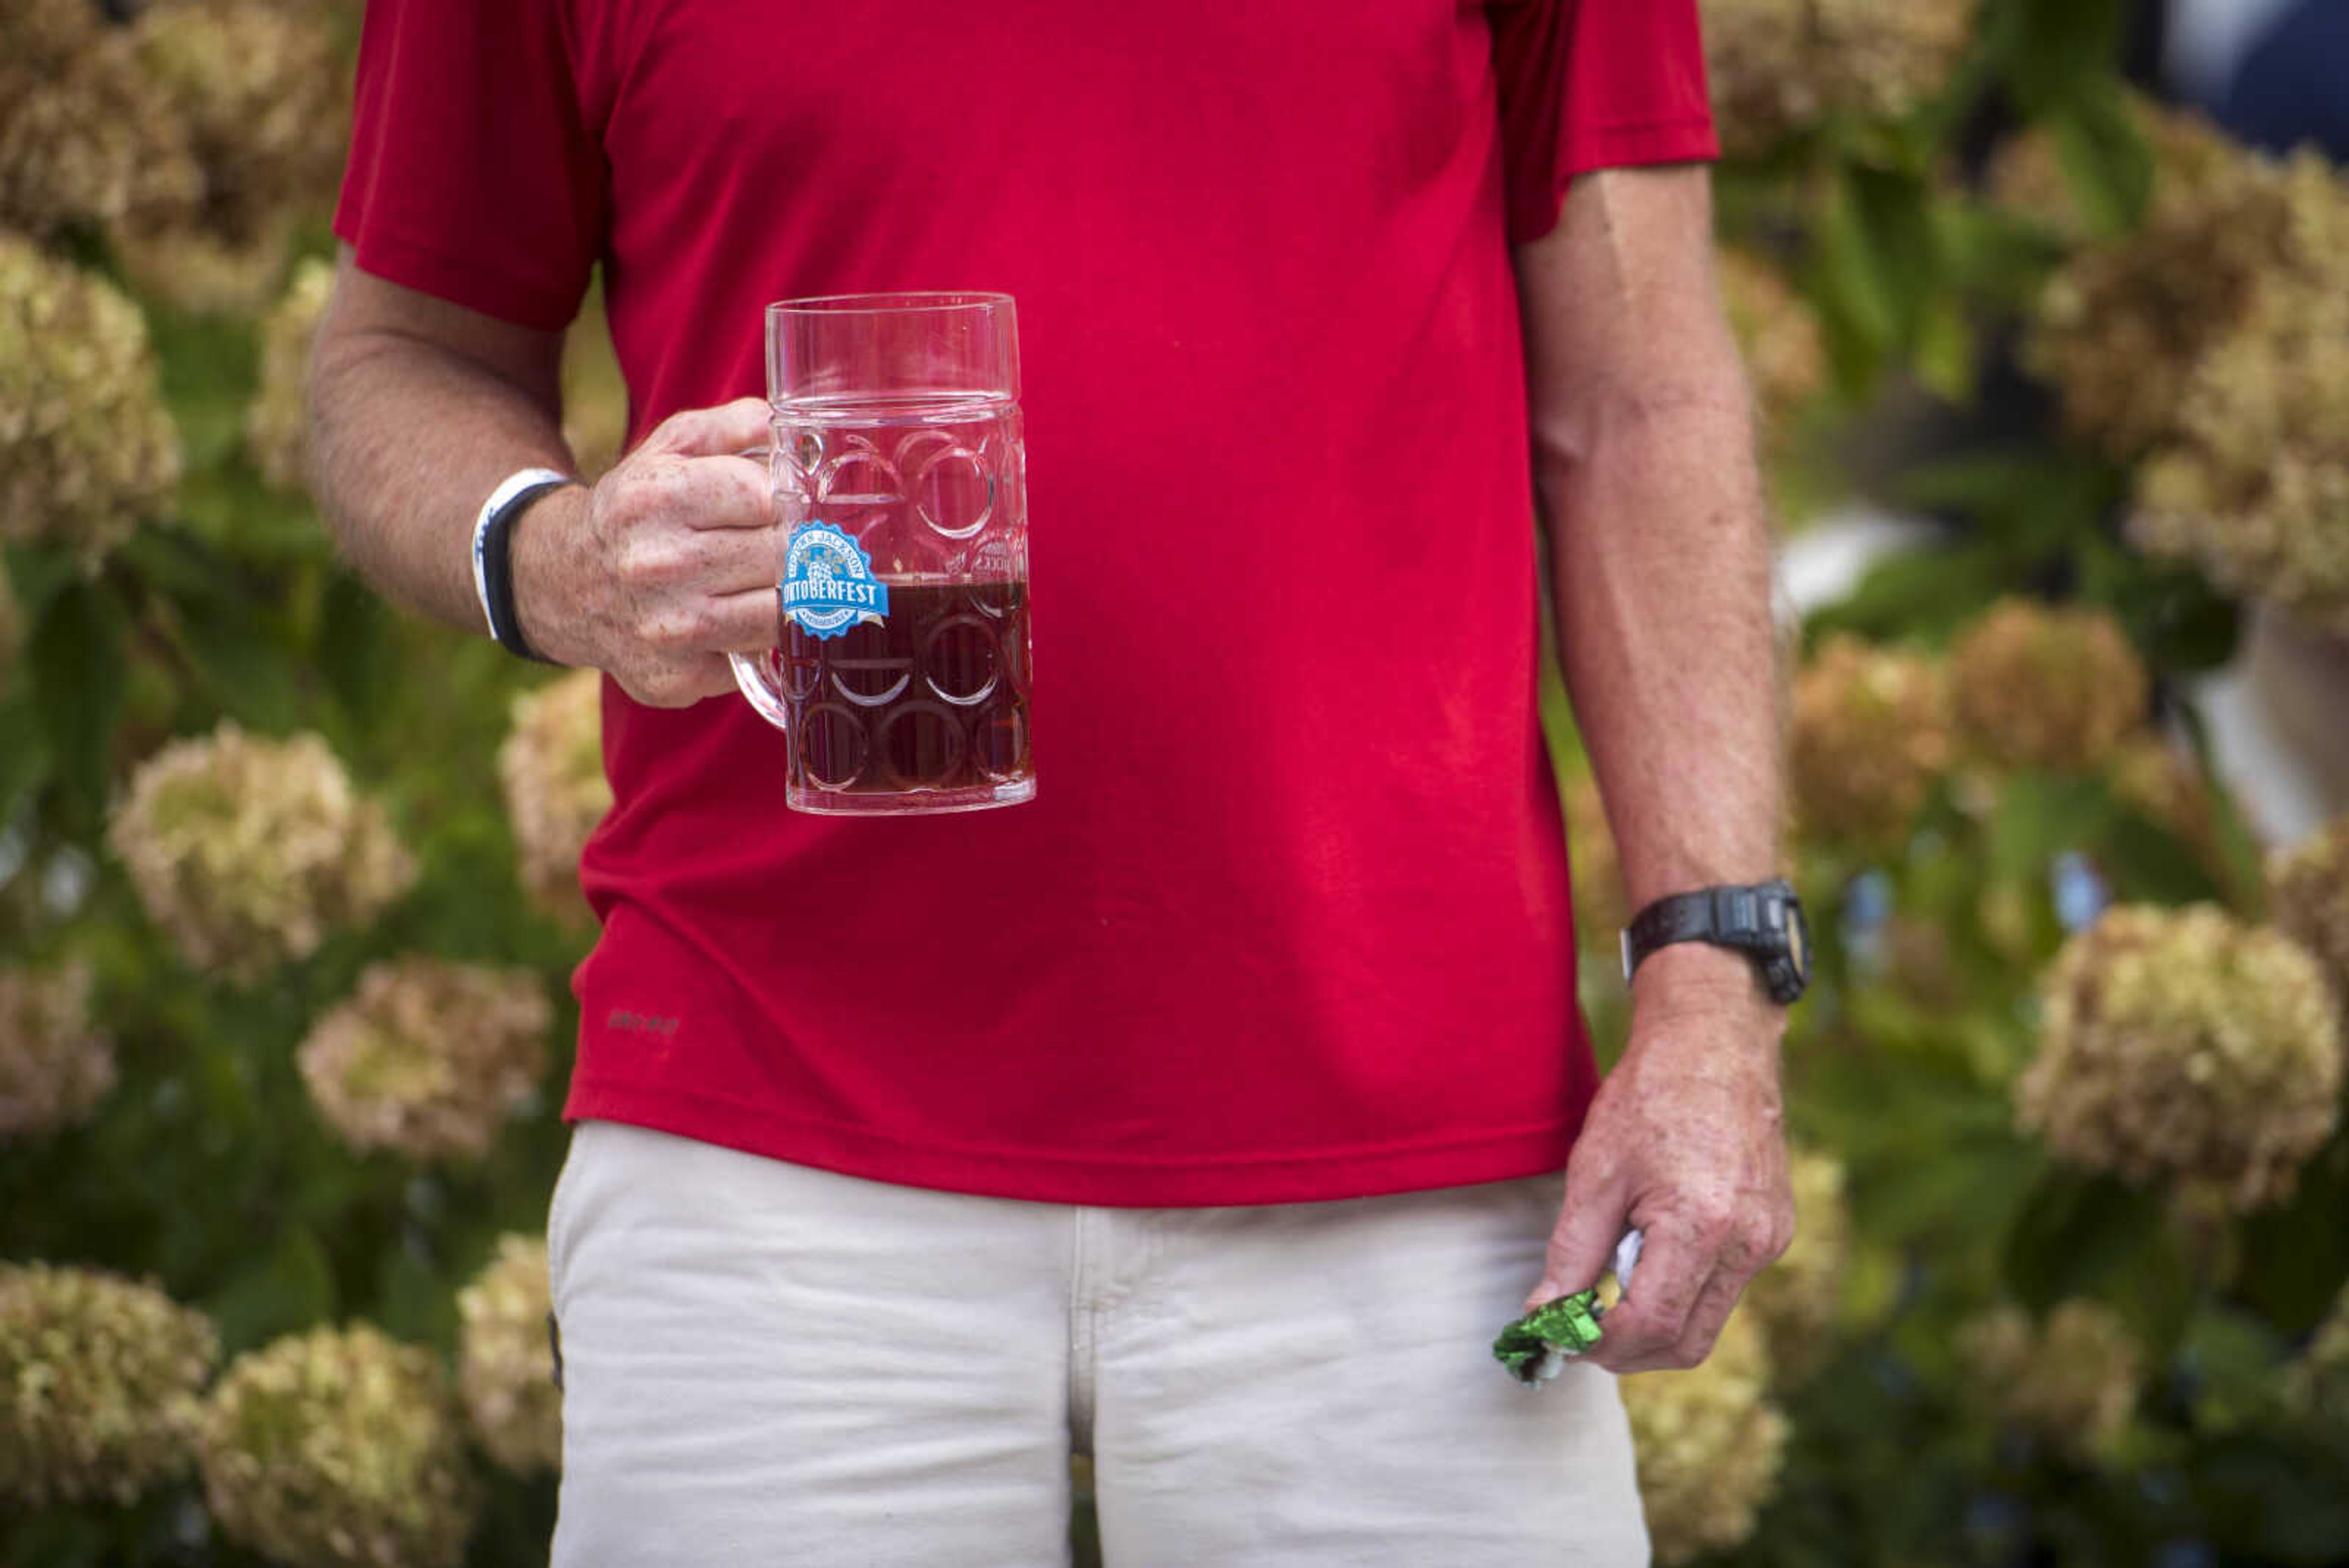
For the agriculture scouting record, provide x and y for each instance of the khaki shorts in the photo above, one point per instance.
(766, 1364)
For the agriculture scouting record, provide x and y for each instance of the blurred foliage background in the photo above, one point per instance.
(288, 907)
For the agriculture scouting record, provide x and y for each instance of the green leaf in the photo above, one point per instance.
(1896, 217)
(25, 761)
(2172, 613)
(240, 649)
(2040, 815)
(2272, 1503)
(174, 564)
(1946, 351)
(37, 573)
(413, 1301)
(2104, 160)
(2053, 52)
(78, 668)
(2296, 1255)
(292, 1288)
(1917, 596)
(354, 650)
(2075, 1233)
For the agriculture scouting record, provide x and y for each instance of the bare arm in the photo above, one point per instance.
(419, 408)
(1644, 465)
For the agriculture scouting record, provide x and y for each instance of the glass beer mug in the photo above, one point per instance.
(900, 672)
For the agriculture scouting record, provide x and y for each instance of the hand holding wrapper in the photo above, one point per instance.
(1535, 1347)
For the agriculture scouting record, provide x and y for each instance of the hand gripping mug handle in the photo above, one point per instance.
(753, 675)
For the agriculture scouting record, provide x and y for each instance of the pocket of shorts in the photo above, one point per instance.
(558, 1231)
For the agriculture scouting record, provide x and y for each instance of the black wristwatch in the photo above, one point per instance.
(1764, 922)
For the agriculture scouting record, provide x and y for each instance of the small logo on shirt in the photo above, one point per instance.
(828, 582)
(630, 1023)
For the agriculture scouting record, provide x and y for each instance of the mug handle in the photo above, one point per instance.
(752, 675)
(758, 687)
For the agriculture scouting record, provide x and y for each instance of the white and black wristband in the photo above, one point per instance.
(493, 563)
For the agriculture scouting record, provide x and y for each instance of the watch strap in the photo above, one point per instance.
(492, 554)
(1749, 920)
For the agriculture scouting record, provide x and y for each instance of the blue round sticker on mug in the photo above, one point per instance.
(828, 582)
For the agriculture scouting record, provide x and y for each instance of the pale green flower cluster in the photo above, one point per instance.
(338, 1448)
(428, 1057)
(248, 851)
(2211, 344)
(100, 1379)
(2316, 1384)
(2252, 488)
(2181, 1043)
(1873, 728)
(2070, 1380)
(2308, 900)
(263, 101)
(552, 768)
(1710, 1445)
(86, 448)
(2124, 322)
(274, 424)
(1794, 1300)
(505, 1365)
(53, 1065)
(2038, 686)
(1779, 333)
(84, 137)
(1780, 65)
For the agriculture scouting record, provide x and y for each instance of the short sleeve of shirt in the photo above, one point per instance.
(1594, 84)
(473, 176)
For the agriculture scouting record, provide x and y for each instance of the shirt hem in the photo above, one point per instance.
(380, 250)
(1104, 1182)
(1626, 145)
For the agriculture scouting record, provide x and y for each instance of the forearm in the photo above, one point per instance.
(1663, 577)
(1649, 487)
(406, 437)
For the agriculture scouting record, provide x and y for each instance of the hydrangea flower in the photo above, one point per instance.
(264, 102)
(84, 136)
(2182, 1043)
(506, 1365)
(2212, 342)
(428, 1057)
(247, 851)
(2071, 1380)
(552, 768)
(2308, 893)
(2252, 486)
(274, 424)
(86, 448)
(54, 1066)
(1794, 1300)
(2037, 686)
(1779, 333)
(1781, 66)
(338, 1448)
(1710, 1445)
(1872, 730)
(100, 1382)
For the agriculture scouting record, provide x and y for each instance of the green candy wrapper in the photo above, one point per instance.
(1536, 1347)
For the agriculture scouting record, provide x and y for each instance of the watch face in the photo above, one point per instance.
(1798, 940)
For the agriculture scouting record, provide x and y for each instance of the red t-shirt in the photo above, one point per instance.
(1289, 918)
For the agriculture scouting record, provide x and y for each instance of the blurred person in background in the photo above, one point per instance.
(1206, 1114)
(2274, 72)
